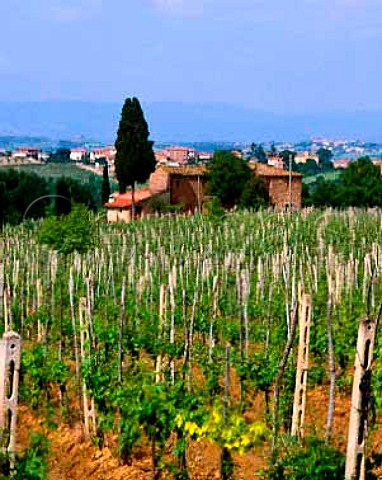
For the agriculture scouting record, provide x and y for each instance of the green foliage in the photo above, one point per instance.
(257, 151)
(285, 155)
(161, 204)
(148, 408)
(134, 159)
(254, 194)
(313, 460)
(18, 190)
(203, 257)
(27, 195)
(305, 196)
(105, 194)
(360, 185)
(73, 232)
(324, 193)
(260, 370)
(227, 176)
(61, 155)
(63, 204)
(231, 182)
(32, 465)
(2, 202)
(39, 373)
(325, 159)
(232, 433)
(214, 209)
(310, 167)
(70, 191)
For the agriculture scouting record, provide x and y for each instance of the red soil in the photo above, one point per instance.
(72, 458)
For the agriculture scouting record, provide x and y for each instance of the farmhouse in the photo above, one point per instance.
(78, 154)
(183, 185)
(186, 185)
(281, 191)
(119, 206)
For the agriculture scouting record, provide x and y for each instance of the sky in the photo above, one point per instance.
(282, 56)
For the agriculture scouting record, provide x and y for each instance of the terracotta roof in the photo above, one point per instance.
(341, 161)
(27, 149)
(260, 169)
(124, 200)
(268, 171)
(181, 149)
(79, 150)
(186, 170)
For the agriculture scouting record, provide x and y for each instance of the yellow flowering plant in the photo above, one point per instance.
(233, 433)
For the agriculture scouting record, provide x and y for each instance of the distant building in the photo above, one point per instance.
(26, 152)
(305, 156)
(276, 161)
(378, 162)
(108, 153)
(186, 185)
(204, 156)
(78, 154)
(160, 157)
(237, 153)
(179, 154)
(119, 207)
(339, 163)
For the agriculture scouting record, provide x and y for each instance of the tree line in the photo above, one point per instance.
(359, 185)
(26, 195)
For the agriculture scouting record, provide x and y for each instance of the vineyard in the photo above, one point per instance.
(182, 334)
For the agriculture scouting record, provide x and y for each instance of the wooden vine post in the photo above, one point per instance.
(88, 401)
(10, 353)
(359, 413)
(299, 404)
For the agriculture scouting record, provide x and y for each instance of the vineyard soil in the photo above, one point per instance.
(175, 339)
(72, 458)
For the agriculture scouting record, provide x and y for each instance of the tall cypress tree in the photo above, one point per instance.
(3, 202)
(134, 160)
(63, 204)
(105, 191)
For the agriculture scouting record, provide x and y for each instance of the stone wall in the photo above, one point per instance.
(159, 181)
(188, 191)
(278, 188)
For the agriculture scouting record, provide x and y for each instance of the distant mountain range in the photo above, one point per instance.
(177, 122)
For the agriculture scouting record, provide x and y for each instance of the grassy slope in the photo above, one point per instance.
(53, 170)
(328, 176)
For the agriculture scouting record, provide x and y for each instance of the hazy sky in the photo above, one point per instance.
(274, 55)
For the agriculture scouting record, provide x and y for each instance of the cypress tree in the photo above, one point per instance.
(134, 160)
(3, 202)
(63, 204)
(105, 191)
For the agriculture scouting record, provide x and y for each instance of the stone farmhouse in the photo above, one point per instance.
(183, 185)
(277, 182)
(186, 185)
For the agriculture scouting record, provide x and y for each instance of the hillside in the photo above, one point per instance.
(175, 328)
(177, 122)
